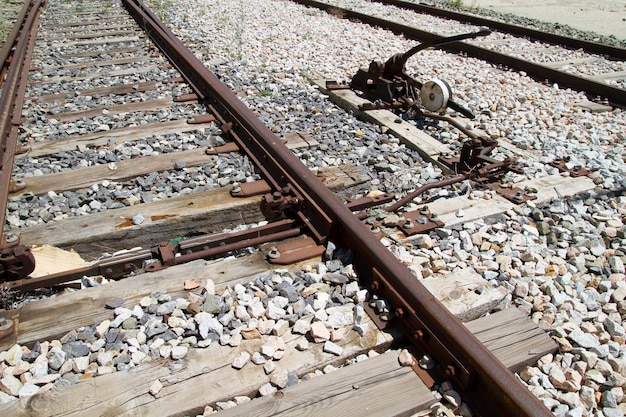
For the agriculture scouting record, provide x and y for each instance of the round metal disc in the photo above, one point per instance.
(435, 95)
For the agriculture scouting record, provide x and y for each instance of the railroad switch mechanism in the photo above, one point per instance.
(390, 87)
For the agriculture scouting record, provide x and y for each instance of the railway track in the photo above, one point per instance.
(106, 108)
(600, 76)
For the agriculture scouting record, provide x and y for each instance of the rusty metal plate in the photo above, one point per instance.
(513, 194)
(368, 202)
(334, 85)
(249, 189)
(295, 251)
(227, 148)
(560, 164)
(186, 97)
(419, 221)
(450, 161)
(201, 118)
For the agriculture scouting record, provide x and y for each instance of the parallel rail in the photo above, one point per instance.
(540, 35)
(615, 95)
(459, 355)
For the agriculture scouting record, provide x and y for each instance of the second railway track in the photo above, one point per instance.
(121, 152)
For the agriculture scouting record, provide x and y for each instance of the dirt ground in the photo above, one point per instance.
(605, 17)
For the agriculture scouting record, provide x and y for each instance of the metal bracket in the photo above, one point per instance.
(334, 85)
(227, 148)
(368, 202)
(201, 118)
(295, 251)
(513, 194)
(274, 206)
(249, 189)
(419, 221)
(561, 165)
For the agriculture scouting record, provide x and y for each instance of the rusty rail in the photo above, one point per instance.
(459, 355)
(541, 73)
(540, 35)
(16, 260)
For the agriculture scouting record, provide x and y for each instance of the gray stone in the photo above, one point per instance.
(211, 304)
(76, 349)
(585, 340)
(56, 358)
(114, 303)
(333, 348)
(608, 399)
(166, 308)
(335, 278)
(612, 412)
(614, 329)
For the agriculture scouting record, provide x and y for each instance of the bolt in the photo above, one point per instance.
(426, 362)
(273, 253)
(375, 229)
(408, 224)
(236, 188)
(519, 196)
(450, 370)
(421, 220)
(434, 217)
(376, 285)
(418, 335)
(12, 238)
(399, 312)
(424, 211)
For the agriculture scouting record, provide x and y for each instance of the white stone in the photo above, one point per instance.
(241, 360)
(155, 387)
(179, 352)
(319, 332)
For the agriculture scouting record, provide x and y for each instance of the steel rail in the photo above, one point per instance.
(469, 363)
(540, 35)
(12, 98)
(541, 73)
(9, 45)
